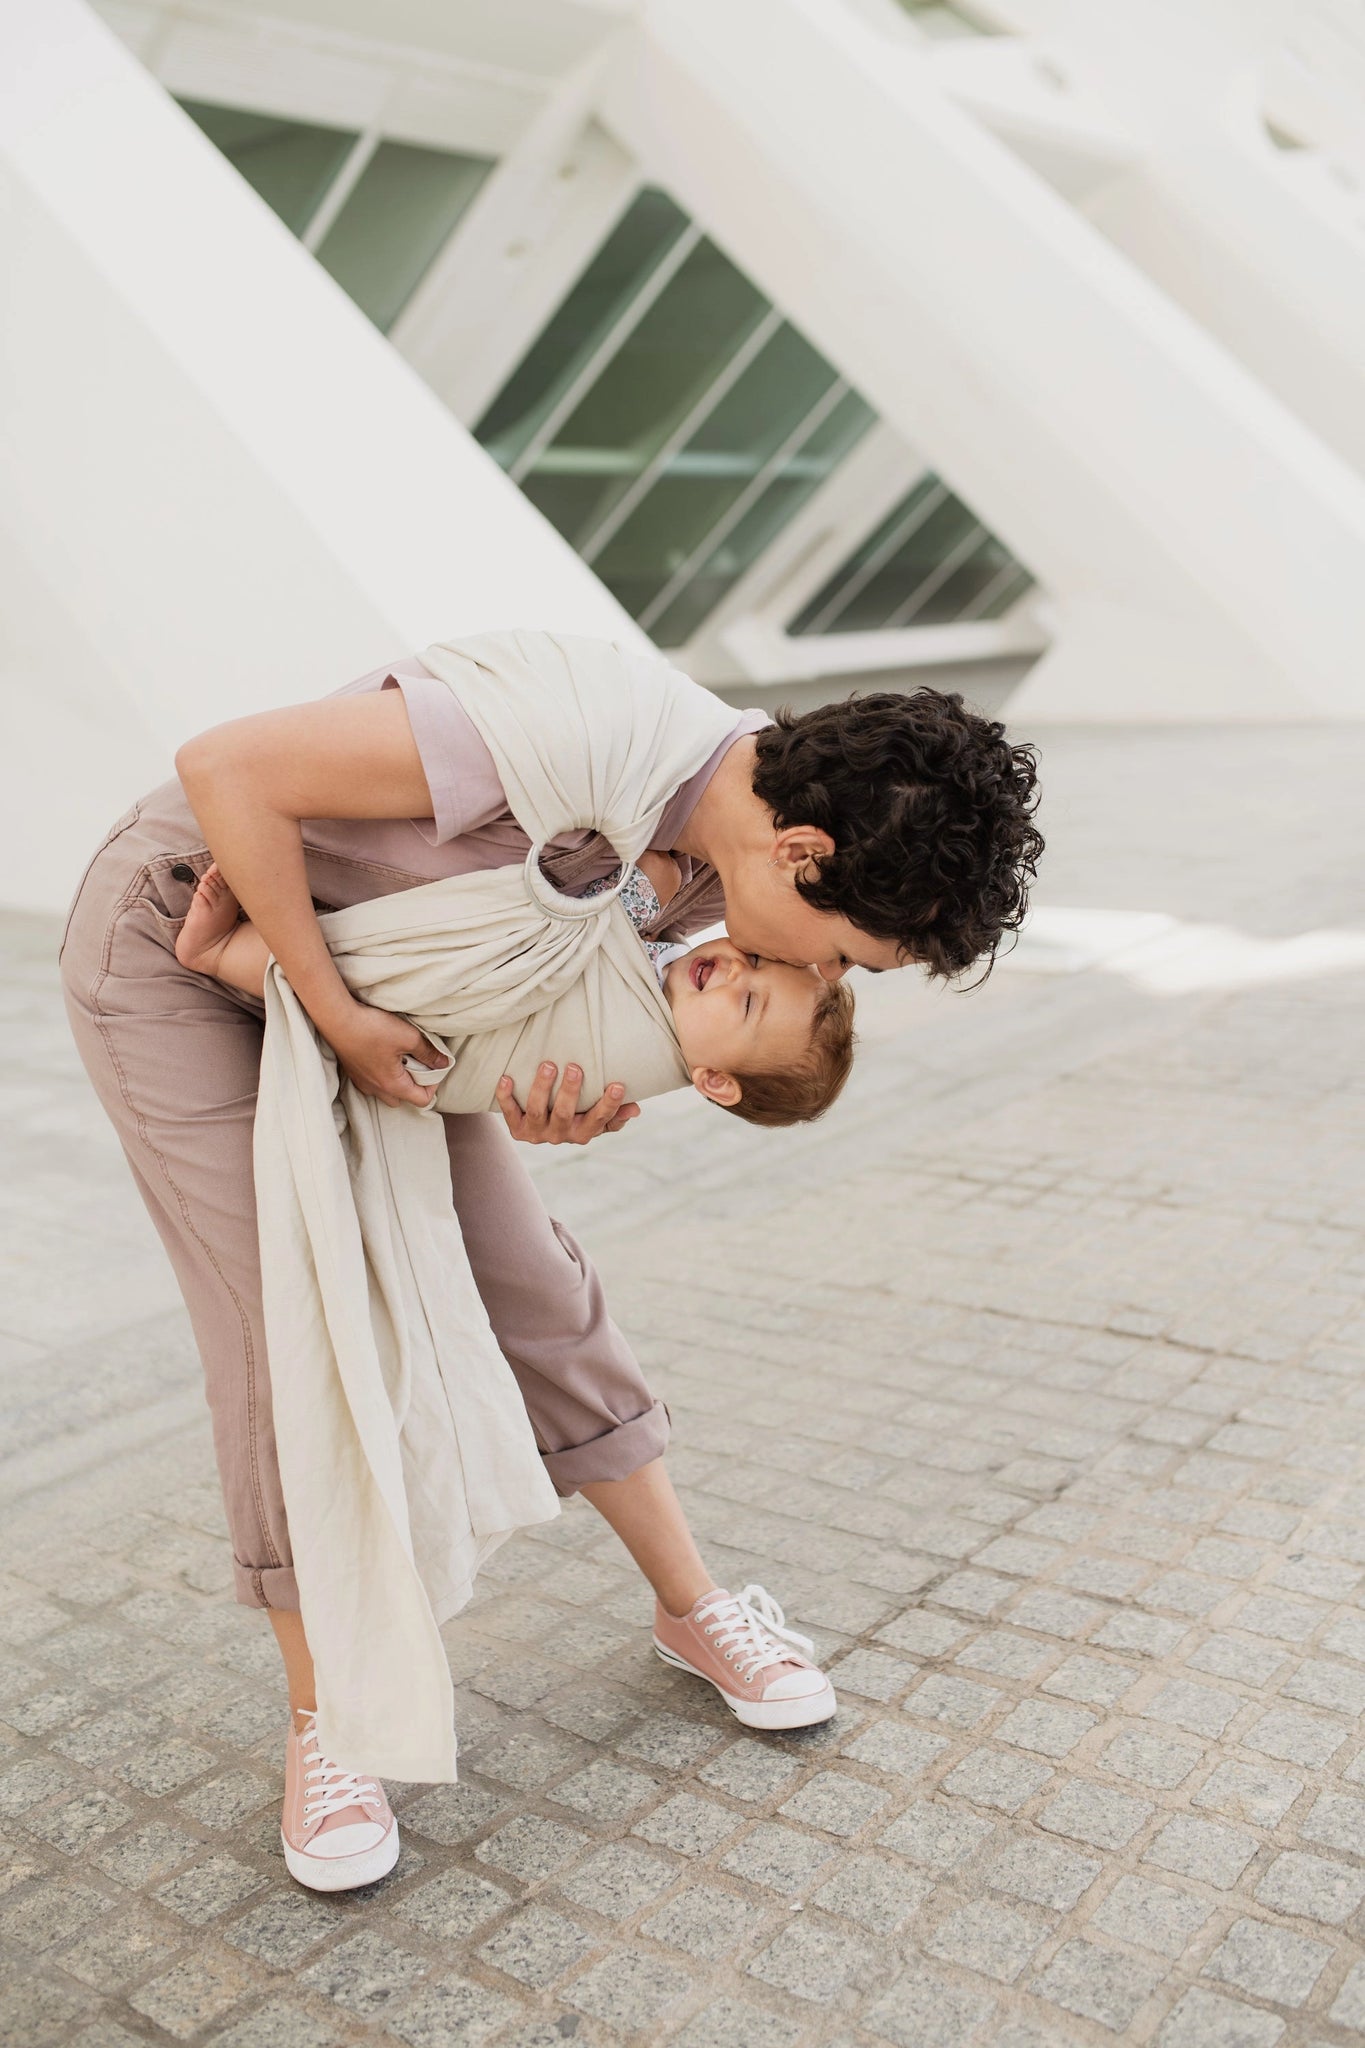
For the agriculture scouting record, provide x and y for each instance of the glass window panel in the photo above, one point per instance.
(888, 588)
(404, 206)
(622, 266)
(943, 21)
(290, 163)
(969, 582)
(762, 409)
(663, 367)
(787, 490)
(997, 601)
(811, 617)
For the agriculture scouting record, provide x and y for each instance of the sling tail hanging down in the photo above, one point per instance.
(405, 1450)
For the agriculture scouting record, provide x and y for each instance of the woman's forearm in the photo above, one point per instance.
(260, 852)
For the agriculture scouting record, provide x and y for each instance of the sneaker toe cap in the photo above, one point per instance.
(353, 1838)
(800, 1684)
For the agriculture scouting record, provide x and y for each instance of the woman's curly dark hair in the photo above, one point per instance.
(930, 809)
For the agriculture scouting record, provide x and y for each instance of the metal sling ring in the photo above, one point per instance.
(546, 897)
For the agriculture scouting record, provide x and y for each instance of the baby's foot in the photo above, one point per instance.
(209, 924)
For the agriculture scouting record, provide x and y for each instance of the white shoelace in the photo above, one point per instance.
(335, 1789)
(746, 1625)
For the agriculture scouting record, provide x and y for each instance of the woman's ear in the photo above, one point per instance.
(796, 846)
(716, 1087)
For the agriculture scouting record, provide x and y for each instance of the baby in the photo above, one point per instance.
(771, 1043)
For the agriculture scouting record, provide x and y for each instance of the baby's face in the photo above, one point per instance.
(735, 1013)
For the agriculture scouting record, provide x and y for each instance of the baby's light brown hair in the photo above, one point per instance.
(800, 1093)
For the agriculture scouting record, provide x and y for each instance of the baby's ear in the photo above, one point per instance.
(716, 1087)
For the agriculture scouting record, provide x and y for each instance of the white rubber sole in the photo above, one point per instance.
(807, 1713)
(342, 1873)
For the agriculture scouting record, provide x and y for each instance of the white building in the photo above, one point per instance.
(1013, 343)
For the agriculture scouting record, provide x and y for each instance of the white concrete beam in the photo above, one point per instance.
(231, 492)
(1129, 460)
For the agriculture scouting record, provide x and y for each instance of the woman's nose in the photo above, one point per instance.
(833, 970)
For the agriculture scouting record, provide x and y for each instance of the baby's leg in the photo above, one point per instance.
(212, 941)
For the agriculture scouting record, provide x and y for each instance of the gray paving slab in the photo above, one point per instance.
(1032, 1384)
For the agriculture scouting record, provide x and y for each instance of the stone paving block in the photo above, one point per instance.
(961, 1702)
(1146, 1758)
(194, 1993)
(1097, 1814)
(1152, 1915)
(1203, 2019)
(669, 1742)
(1043, 1872)
(226, 1801)
(1295, 1738)
(83, 1821)
(207, 1889)
(1285, 1621)
(995, 1940)
(281, 2023)
(689, 1825)
(119, 1948)
(365, 1975)
(777, 1857)
(1091, 1681)
(618, 1879)
(923, 1635)
(537, 1946)
(1045, 1728)
(701, 1920)
(281, 1928)
(25, 1784)
(46, 1914)
(811, 1962)
(893, 1747)
(749, 1770)
(1228, 1656)
(450, 1907)
(449, 1814)
(629, 1990)
(604, 1791)
(38, 2013)
(835, 1802)
(1312, 1887)
(1004, 1655)
(727, 2023)
(531, 1848)
(924, 2010)
(1273, 1963)
(1249, 1792)
(167, 1766)
(1348, 2008)
(972, 1592)
(1050, 1613)
(145, 1853)
(991, 1778)
(1338, 1821)
(106, 1735)
(1198, 1709)
(524, 1761)
(876, 1891)
(1202, 1849)
(1097, 1983)
(454, 2010)
(1321, 1683)
(871, 1675)
(938, 1837)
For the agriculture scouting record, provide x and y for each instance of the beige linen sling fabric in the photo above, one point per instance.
(405, 1451)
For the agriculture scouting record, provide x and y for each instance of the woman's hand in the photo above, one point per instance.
(562, 1123)
(370, 1045)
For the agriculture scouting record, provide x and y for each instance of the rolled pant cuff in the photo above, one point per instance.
(271, 1585)
(613, 1455)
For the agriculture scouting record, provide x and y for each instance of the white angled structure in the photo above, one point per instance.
(1014, 344)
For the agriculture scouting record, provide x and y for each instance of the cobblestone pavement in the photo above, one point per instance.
(1033, 1386)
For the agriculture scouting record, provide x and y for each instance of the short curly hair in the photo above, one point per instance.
(930, 807)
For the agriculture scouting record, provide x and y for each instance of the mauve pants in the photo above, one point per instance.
(175, 1057)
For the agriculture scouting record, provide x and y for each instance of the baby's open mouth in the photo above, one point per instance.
(699, 973)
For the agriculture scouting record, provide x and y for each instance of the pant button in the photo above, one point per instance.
(183, 872)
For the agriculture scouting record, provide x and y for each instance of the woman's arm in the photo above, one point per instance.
(251, 784)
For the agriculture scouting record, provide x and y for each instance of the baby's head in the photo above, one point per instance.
(773, 1044)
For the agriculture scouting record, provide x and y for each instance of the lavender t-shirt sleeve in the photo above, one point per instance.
(464, 784)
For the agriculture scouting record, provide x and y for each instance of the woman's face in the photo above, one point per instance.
(766, 914)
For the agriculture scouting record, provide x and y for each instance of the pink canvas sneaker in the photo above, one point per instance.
(740, 1644)
(338, 1830)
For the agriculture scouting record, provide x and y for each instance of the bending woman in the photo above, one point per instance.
(874, 833)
